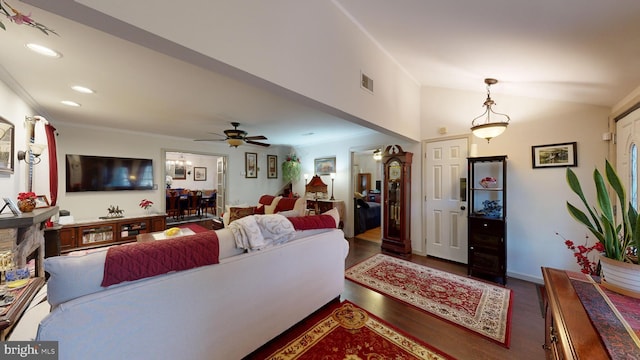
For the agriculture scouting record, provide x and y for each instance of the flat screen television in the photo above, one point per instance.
(103, 173)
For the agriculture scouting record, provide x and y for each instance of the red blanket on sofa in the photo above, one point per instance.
(139, 260)
(313, 222)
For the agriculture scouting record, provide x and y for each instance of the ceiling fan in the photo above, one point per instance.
(235, 137)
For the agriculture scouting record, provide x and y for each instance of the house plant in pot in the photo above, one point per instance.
(619, 235)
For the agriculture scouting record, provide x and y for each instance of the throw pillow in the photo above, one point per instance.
(270, 209)
(335, 214)
(259, 210)
(236, 213)
(266, 199)
(313, 222)
(286, 204)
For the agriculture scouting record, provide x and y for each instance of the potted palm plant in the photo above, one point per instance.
(619, 235)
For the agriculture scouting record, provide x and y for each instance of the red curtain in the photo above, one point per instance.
(53, 163)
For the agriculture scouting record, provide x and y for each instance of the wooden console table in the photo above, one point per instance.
(569, 333)
(15, 310)
(91, 234)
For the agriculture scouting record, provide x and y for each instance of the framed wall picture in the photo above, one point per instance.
(554, 155)
(251, 165)
(179, 172)
(272, 167)
(42, 201)
(199, 173)
(6, 146)
(325, 166)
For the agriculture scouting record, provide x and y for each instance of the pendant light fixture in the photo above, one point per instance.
(483, 126)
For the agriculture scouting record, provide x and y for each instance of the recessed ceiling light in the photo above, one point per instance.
(70, 103)
(43, 50)
(82, 89)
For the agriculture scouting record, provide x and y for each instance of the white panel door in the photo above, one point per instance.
(445, 187)
(627, 138)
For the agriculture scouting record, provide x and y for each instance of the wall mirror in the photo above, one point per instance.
(6, 146)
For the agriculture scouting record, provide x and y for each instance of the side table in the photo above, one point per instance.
(12, 312)
(217, 223)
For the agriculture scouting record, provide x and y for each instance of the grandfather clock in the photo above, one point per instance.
(396, 211)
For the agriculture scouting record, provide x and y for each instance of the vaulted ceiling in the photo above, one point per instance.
(585, 51)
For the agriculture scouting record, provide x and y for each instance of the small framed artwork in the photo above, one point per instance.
(179, 172)
(251, 165)
(554, 155)
(6, 146)
(325, 166)
(199, 173)
(272, 167)
(12, 206)
(42, 201)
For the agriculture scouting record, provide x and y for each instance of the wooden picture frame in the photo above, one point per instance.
(325, 166)
(554, 155)
(199, 173)
(42, 201)
(251, 165)
(7, 136)
(272, 167)
(179, 172)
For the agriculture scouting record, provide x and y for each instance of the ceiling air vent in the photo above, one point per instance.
(366, 82)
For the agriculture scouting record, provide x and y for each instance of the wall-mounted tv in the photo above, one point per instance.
(103, 173)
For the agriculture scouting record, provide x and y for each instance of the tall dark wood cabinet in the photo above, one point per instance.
(487, 229)
(396, 210)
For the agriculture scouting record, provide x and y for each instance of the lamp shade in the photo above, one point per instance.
(316, 185)
(490, 130)
(482, 126)
(234, 142)
(37, 149)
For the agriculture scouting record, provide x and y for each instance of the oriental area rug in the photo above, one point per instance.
(480, 307)
(345, 331)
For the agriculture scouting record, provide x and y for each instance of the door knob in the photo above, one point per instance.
(463, 207)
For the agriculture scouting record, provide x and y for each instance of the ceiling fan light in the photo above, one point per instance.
(234, 142)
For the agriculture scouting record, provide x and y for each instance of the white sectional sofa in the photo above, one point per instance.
(221, 311)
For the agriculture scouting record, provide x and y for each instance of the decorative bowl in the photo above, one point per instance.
(488, 182)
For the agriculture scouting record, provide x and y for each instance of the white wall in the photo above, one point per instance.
(14, 109)
(536, 197)
(105, 142)
(197, 160)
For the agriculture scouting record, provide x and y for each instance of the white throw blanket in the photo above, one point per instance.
(256, 232)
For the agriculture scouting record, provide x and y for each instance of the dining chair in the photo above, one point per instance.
(173, 205)
(193, 203)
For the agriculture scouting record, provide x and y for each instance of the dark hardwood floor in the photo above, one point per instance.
(527, 323)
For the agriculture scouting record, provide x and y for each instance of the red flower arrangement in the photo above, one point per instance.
(581, 253)
(26, 196)
(146, 204)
